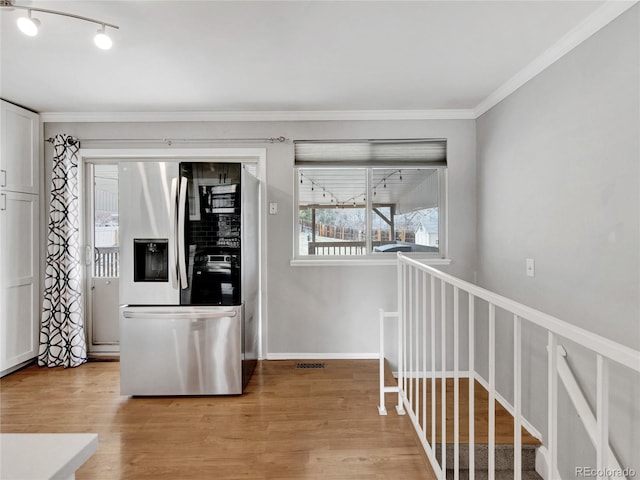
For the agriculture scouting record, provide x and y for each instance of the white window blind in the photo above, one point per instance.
(410, 152)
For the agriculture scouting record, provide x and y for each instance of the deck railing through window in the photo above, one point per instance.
(106, 262)
(436, 311)
(341, 248)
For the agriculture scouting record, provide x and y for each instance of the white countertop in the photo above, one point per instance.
(44, 456)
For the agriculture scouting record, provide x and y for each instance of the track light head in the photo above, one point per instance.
(27, 25)
(102, 40)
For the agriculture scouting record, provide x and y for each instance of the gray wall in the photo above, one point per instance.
(324, 310)
(558, 181)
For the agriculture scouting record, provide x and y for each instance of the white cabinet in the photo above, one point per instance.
(20, 271)
(20, 150)
(19, 236)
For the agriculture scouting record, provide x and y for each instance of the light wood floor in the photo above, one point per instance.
(290, 424)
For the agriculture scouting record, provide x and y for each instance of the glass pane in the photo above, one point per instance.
(332, 211)
(405, 210)
(105, 220)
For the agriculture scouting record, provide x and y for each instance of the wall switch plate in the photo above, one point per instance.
(273, 208)
(531, 268)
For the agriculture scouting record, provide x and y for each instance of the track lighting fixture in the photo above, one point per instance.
(29, 25)
(102, 40)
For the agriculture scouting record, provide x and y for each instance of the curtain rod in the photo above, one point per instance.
(171, 141)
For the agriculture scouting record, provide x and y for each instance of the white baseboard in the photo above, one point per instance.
(15, 368)
(323, 356)
(542, 464)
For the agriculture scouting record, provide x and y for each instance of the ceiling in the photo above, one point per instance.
(261, 56)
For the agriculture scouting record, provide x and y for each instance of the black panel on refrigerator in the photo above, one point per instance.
(212, 233)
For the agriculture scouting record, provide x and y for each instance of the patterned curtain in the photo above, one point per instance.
(62, 339)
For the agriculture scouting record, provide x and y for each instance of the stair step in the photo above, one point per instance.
(503, 457)
(500, 475)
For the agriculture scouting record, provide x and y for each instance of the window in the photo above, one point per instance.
(105, 221)
(368, 206)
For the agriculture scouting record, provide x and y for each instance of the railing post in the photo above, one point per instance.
(399, 406)
(382, 409)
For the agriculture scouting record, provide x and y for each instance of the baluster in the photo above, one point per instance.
(424, 357)
(433, 361)
(517, 397)
(552, 404)
(410, 339)
(492, 386)
(602, 412)
(416, 313)
(472, 367)
(456, 385)
(443, 366)
(404, 328)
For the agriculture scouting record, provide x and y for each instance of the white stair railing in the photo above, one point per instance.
(421, 290)
(584, 411)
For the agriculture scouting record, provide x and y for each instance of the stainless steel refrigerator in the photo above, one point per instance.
(189, 239)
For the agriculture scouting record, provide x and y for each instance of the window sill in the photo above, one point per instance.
(368, 261)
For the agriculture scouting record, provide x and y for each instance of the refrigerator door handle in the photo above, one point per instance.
(178, 315)
(184, 283)
(173, 269)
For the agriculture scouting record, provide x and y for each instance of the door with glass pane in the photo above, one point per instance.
(103, 257)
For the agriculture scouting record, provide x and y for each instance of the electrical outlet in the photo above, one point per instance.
(273, 208)
(531, 268)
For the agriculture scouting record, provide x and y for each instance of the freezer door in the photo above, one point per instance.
(180, 350)
(147, 211)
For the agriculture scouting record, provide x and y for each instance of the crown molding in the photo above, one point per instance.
(592, 24)
(257, 116)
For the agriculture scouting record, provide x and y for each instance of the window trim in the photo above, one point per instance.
(371, 259)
